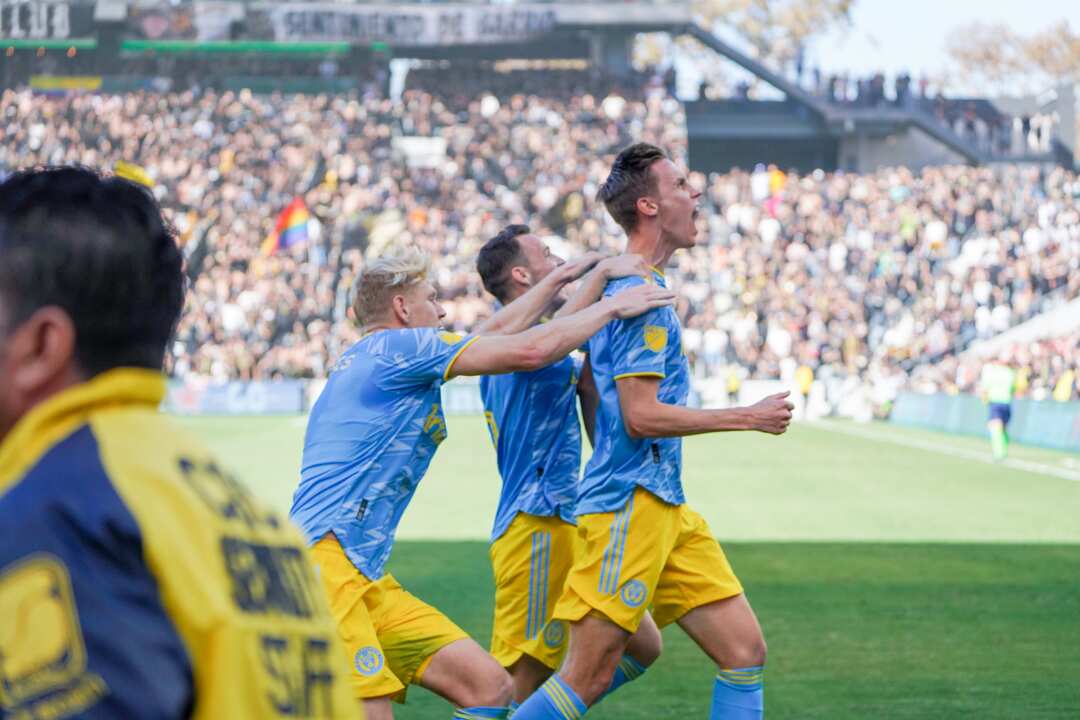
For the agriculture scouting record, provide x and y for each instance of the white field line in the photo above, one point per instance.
(1025, 465)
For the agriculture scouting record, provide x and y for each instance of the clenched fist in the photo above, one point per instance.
(772, 415)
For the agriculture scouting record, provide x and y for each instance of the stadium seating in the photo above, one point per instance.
(867, 275)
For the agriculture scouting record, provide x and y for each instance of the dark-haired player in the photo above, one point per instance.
(642, 546)
(533, 421)
(138, 579)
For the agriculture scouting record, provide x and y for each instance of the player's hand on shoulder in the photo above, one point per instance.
(773, 414)
(639, 299)
(572, 270)
(620, 266)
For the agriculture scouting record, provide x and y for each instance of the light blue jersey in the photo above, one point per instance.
(533, 421)
(370, 439)
(648, 345)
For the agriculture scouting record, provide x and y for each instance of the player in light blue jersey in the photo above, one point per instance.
(370, 439)
(533, 421)
(642, 547)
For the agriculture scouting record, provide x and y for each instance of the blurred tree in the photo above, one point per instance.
(1055, 51)
(776, 29)
(994, 57)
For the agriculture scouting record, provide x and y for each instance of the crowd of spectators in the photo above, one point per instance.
(852, 275)
(1047, 369)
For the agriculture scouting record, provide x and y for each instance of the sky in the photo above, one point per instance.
(894, 35)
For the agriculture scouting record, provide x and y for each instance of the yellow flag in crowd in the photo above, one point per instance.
(134, 173)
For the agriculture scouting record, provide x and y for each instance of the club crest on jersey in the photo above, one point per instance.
(634, 593)
(42, 647)
(655, 337)
(450, 338)
(555, 633)
(368, 660)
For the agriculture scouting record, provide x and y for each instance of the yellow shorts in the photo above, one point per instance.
(531, 561)
(390, 634)
(648, 554)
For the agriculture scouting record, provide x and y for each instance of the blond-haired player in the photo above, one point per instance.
(370, 439)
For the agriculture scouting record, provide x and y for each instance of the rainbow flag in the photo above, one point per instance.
(291, 228)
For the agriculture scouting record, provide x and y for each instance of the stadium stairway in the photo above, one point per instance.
(838, 117)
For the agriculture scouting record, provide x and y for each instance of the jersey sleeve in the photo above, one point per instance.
(638, 346)
(421, 357)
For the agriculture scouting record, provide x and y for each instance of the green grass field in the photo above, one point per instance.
(895, 572)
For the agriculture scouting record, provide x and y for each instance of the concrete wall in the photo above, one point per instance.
(909, 147)
(612, 49)
(1044, 423)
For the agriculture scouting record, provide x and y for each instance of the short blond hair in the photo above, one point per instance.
(386, 276)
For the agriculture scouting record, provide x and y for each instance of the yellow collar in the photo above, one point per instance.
(60, 415)
(657, 270)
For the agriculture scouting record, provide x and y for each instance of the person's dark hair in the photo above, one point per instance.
(498, 256)
(629, 179)
(99, 249)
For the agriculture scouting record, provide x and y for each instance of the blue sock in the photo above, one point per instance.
(739, 695)
(628, 670)
(555, 700)
(512, 708)
(482, 713)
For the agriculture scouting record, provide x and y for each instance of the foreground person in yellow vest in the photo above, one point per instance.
(138, 578)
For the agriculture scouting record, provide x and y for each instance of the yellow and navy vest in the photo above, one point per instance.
(138, 578)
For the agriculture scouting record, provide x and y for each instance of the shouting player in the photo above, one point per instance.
(533, 421)
(370, 439)
(643, 547)
(137, 578)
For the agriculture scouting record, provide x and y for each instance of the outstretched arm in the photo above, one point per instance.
(593, 284)
(645, 416)
(544, 344)
(523, 313)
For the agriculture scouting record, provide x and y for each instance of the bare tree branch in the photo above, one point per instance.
(776, 29)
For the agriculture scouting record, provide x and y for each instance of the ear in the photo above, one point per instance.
(401, 309)
(41, 350)
(521, 275)
(647, 206)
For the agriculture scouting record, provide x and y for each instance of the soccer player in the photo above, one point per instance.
(998, 383)
(642, 546)
(370, 439)
(138, 578)
(533, 421)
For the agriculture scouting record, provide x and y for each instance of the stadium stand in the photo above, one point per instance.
(850, 274)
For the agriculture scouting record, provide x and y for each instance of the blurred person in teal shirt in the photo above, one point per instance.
(998, 385)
